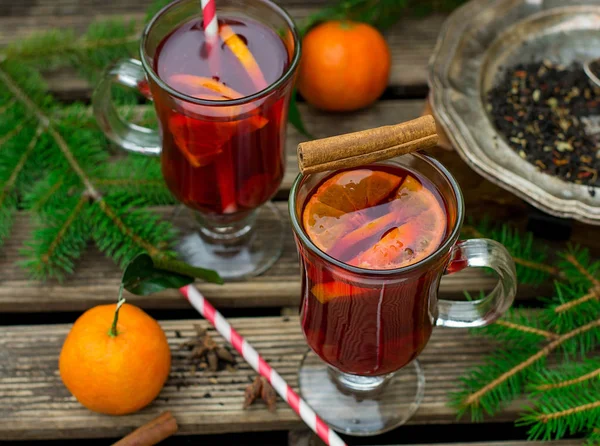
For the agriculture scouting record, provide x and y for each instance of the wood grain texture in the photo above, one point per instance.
(96, 277)
(34, 403)
(96, 280)
(411, 40)
(304, 437)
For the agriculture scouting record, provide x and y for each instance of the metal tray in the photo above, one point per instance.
(474, 45)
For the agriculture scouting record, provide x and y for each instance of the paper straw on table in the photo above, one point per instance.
(252, 357)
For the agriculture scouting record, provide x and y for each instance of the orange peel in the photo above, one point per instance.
(325, 292)
(244, 55)
(187, 80)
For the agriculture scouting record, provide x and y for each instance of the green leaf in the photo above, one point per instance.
(177, 266)
(295, 117)
(141, 277)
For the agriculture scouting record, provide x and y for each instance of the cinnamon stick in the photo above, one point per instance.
(367, 146)
(152, 432)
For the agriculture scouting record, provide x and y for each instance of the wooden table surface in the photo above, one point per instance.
(34, 405)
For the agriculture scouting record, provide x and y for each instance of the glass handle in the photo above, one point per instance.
(132, 137)
(480, 253)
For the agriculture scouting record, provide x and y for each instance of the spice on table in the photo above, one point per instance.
(206, 353)
(542, 108)
(260, 387)
(152, 432)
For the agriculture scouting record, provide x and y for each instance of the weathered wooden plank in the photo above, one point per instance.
(305, 437)
(411, 40)
(97, 279)
(34, 403)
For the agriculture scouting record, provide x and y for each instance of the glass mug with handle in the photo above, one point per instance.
(370, 280)
(222, 112)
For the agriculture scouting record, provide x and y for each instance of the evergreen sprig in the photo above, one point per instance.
(546, 356)
(56, 163)
(379, 13)
(530, 258)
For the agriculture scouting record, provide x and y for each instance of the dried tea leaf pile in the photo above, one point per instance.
(541, 108)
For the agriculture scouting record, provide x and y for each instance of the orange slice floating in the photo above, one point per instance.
(373, 230)
(419, 236)
(324, 224)
(189, 135)
(244, 55)
(183, 82)
(331, 211)
(325, 292)
(200, 140)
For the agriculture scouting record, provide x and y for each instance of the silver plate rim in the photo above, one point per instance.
(460, 136)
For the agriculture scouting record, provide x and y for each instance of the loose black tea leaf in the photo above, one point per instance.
(545, 111)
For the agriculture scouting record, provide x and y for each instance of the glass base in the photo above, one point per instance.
(357, 405)
(236, 250)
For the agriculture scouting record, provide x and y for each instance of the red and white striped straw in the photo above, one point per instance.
(225, 170)
(209, 14)
(252, 357)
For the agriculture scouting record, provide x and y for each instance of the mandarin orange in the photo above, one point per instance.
(115, 373)
(345, 66)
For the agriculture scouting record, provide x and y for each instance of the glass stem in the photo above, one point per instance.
(225, 229)
(355, 384)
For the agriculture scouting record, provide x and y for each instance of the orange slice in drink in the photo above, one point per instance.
(201, 140)
(372, 230)
(422, 226)
(244, 55)
(331, 211)
(203, 87)
(324, 292)
(189, 135)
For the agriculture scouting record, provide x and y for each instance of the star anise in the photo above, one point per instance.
(260, 387)
(206, 352)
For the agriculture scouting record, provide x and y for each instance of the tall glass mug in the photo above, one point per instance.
(362, 375)
(222, 159)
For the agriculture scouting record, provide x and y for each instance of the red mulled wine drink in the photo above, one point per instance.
(373, 218)
(222, 159)
(373, 243)
(222, 102)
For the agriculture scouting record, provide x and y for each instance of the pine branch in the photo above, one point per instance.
(57, 244)
(8, 208)
(508, 384)
(490, 400)
(135, 177)
(579, 268)
(122, 231)
(568, 375)
(518, 327)
(58, 47)
(138, 231)
(6, 106)
(593, 438)
(16, 167)
(15, 131)
(554, 417)
(531, 261)
(379, 13)
(593, 294)
(526, 329)
(105, 42)
(572, 306)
